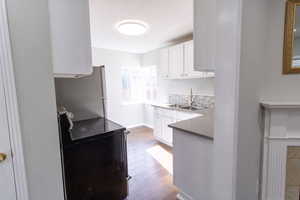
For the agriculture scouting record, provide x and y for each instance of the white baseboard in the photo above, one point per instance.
(183, 196)
(149, 126)
(134, 126)
(163, 141)
(139, 125)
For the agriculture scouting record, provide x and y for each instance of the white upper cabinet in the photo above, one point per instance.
(70, 35)
(189, 70)
(204, 34)
(176, 61)
(164, 63)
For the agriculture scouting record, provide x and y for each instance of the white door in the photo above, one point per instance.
(7, 185)
(176, 61)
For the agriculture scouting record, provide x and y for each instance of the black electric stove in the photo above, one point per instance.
(94, 156)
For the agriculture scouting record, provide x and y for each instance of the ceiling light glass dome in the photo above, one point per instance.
(132, 27)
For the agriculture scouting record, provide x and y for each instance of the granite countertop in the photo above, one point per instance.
(94, 128)
(202, 126)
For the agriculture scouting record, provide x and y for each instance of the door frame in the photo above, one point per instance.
(7, 75)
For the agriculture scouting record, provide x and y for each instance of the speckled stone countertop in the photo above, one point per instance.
(202, 126)
(94, 128)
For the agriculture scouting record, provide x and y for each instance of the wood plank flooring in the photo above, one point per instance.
(150, 180)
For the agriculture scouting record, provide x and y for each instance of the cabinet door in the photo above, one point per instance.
(189, 70)
(164, 63)
(168, 132)
(204, 34)
(70, 35)
(176, 64)
(158, 132)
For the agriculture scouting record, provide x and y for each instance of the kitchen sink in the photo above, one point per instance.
(188, 108)
(173, 106)
(184, 107)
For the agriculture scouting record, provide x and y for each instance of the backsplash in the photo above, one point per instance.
(200, 101)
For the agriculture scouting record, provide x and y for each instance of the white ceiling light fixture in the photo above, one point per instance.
(132, 27)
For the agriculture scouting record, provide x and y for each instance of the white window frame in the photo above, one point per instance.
(142, 101)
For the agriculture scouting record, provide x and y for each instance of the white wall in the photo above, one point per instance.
(199, 86)
(226, 92)
(81, 96)
(249, 69)
(241, 61)
(29, 31)
(260, 78)
(278, 87)
(203, 86)
(126, 115)
(255, 33)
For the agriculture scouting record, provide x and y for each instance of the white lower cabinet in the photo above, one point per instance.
(164, 117)
(157, 126)
(167, 131)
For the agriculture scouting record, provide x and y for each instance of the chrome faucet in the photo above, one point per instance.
(192, 98)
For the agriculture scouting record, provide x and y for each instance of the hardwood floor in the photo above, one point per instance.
(150, 179)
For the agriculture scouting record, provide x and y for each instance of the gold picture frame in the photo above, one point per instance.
(289, 27)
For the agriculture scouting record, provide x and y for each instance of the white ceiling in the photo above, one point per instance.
(168, 20)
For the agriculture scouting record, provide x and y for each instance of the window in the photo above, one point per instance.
(139, 85)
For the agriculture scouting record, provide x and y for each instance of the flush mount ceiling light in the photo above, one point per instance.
(132, 27)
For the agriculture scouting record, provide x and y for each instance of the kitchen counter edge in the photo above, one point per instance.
(201, 126)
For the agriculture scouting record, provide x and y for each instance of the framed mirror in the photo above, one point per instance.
(291, 51)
